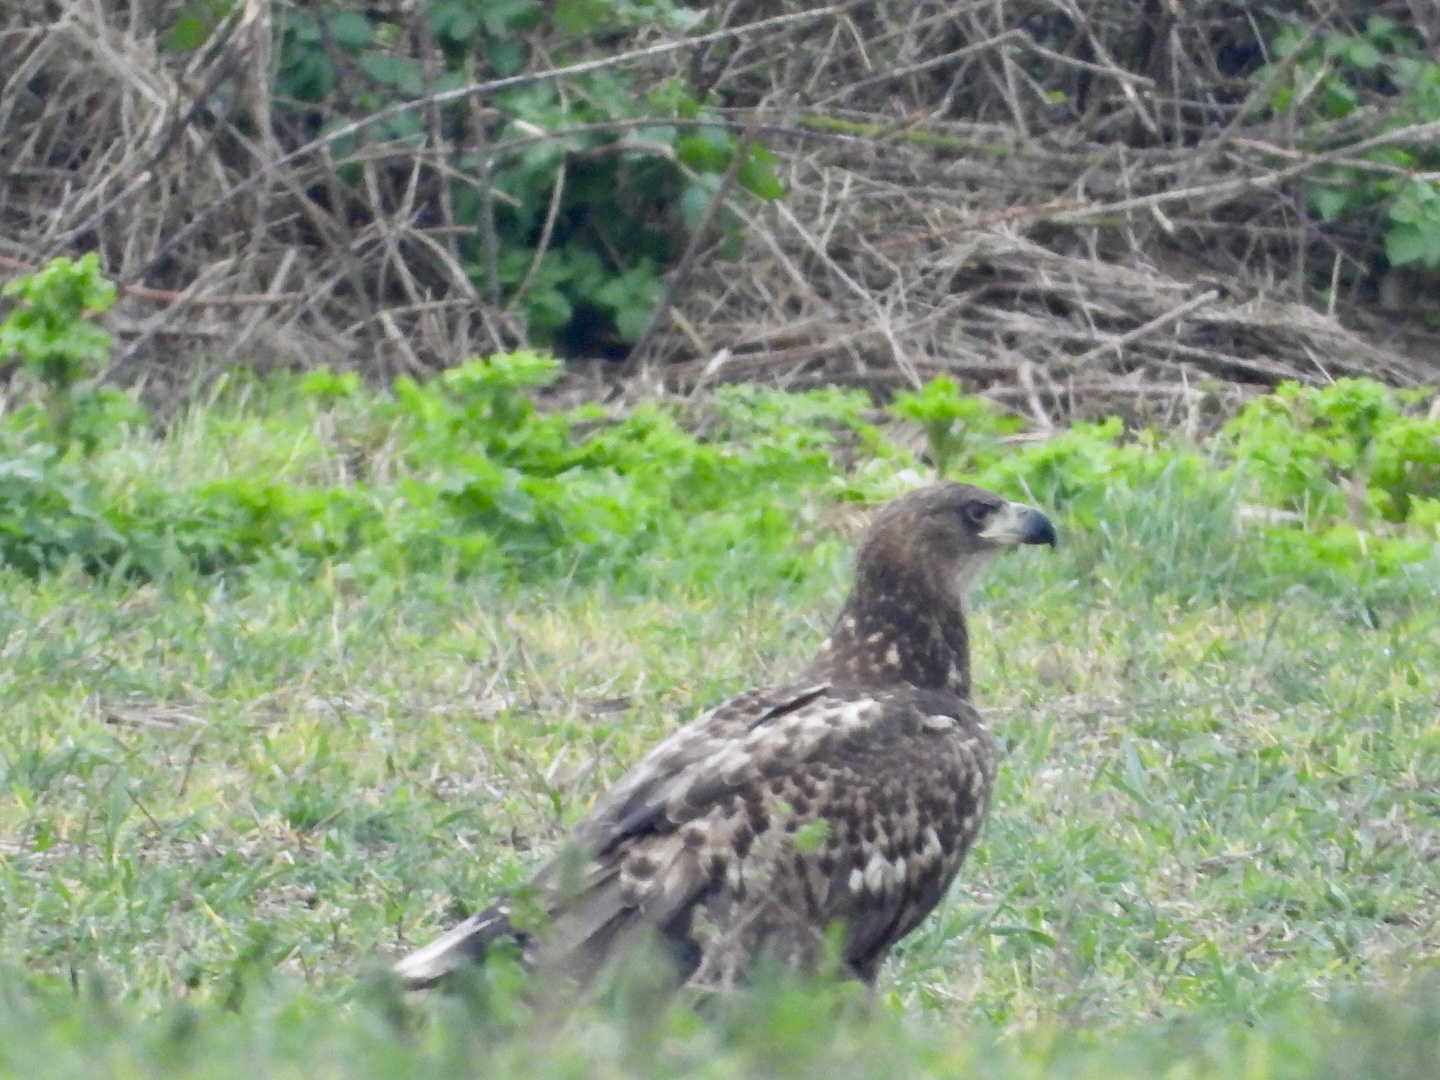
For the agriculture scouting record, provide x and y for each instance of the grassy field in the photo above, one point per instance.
(1214, 851)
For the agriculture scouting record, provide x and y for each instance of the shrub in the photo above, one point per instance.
(49, 330)
(577, 194)
(1334, 77)
(468, 474)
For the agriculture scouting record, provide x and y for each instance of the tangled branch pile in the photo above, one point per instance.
(1076, 205)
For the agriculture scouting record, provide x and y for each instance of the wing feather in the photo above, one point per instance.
(694, 766)
(711, 823)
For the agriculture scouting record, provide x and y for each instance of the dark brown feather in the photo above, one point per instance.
(848, 797)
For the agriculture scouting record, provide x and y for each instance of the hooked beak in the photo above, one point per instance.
(1017, 523)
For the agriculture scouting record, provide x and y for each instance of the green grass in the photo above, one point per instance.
(1214, 850)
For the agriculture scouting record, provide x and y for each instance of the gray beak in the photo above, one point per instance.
(1019, 524)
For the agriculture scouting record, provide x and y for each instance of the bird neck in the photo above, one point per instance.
(898, 628)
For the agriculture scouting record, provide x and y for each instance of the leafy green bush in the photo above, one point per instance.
(1336, 486)
(49, 331)
(577, 491)
(1336, 77)
(961, 430)
(587, 187)
(1350, 450)
(467, 473)
(51, 512)
(475, 478)
(1356, 465)
(50, 504)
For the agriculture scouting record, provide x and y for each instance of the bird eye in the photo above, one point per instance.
(977, 513)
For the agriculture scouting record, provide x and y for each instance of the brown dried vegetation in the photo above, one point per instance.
(1071, 204)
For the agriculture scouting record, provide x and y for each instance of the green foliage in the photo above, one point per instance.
(471, 475)
(804, 1032)
(51, 505)
(1338, 486)
(589, 186)
(49, 331)
(1357, 466)
(580, 492)
(1139, 508)
(1334, 77)
(961, 431)
(51, 512)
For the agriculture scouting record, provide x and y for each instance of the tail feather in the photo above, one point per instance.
(588, 922)
(584, 935)
(466, 943)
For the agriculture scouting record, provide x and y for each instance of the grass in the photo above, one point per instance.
(1214, 851)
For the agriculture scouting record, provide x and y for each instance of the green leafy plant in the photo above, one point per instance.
(1353, 450)
(51, 512)
(475, 477)
(469, 472)
(50, 331)
(1354, 467)
(587, 189)
(1335, 77)
(962, 431)
(52, 508)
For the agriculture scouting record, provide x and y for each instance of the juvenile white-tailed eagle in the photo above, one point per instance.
(845, 798)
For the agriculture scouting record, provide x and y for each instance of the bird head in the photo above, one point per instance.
(904, 620)
(950, 530)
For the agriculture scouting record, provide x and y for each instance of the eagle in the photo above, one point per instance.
(825, 814)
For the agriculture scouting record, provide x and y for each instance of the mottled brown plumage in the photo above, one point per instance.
(848, 796)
